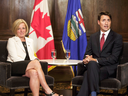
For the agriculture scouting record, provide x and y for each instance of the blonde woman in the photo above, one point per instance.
(20, 49)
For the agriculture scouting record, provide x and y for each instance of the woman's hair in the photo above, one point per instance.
(16, 24)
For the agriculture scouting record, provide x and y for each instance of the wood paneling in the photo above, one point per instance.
(21, 9)
(4, 14)
(10, 10)
(4, 18)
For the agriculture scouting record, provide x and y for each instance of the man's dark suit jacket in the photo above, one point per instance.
(109, 56)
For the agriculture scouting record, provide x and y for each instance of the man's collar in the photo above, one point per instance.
(107, 32)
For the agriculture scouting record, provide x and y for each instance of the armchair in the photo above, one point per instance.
(114, 84)
(16, 82)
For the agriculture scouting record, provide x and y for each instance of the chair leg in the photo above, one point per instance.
(115, 92)
(25, 91)
(74, 91)
(12, 92)
(127, 91)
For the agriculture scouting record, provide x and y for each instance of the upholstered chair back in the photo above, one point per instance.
(3, 50)
(124, 54)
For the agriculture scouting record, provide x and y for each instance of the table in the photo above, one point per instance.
(63, 62)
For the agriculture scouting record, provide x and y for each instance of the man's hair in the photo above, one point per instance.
(104, 13)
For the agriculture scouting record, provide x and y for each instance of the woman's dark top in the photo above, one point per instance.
(25, 47)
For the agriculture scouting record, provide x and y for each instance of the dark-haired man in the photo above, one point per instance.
(101, 56)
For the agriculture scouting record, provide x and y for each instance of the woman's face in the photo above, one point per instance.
(21, 31)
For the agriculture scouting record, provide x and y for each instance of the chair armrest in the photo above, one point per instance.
(81, 68)
(122, 74)
(5, 72)
(44, 67)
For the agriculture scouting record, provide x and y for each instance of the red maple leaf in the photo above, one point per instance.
(40, 23)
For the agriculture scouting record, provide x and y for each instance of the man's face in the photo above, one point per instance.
(105, 23)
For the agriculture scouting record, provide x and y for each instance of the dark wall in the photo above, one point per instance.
(10, 10)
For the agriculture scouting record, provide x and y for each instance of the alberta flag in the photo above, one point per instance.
(74, 33)
(41, 31)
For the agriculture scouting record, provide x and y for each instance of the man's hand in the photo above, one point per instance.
(88, 59)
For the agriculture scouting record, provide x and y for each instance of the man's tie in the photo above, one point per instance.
(102, 42)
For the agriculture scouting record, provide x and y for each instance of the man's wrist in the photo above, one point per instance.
(96, 60)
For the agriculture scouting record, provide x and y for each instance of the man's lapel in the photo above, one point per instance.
(98, 41)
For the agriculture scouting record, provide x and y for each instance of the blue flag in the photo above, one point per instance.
(74, 33)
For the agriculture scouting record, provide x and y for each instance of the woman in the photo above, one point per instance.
(20, 49)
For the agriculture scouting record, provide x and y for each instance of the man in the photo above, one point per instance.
(101, 56)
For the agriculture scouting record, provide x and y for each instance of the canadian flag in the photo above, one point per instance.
(41, 30)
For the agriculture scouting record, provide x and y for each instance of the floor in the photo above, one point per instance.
(63, 88)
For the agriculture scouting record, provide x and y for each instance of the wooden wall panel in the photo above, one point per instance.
(4, 13)
(4, 18)
(11, 10)
(21, 9)
(60, 13)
